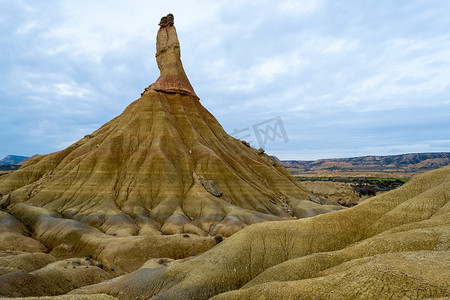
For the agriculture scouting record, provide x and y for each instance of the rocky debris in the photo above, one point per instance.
(218, 239)
(320, 200)
(4, 200)
(246, 143)
(212, 187)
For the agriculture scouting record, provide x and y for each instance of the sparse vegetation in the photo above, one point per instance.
(218, 239)
(163, 261)
(349, 179)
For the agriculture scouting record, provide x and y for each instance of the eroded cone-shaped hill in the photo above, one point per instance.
(165, 165)
(161, 180)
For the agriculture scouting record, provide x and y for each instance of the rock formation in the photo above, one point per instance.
(163, 179)
(173, 79)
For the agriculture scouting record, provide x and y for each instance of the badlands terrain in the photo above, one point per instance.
(392, 246)
(161, 203)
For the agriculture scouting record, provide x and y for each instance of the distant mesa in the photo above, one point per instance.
(411, 162)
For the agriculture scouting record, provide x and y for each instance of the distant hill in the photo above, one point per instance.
(12, 160)
(412, 162)
(27, 159)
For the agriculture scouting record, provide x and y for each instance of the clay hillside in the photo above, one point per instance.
(162, 179)
(413, 162)
(392, 246)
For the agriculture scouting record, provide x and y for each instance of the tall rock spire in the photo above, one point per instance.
(173, 79)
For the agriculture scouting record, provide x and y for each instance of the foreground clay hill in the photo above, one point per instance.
(161, 180)
(392, 246)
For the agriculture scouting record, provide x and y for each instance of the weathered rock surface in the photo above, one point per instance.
(173, 79)
(392, 246)
(14, 236)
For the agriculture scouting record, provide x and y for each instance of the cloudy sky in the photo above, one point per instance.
(342, 78)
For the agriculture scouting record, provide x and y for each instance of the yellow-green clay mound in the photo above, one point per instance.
(392, 246)
(54, 279)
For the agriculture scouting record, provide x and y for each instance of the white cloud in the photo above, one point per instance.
(406, 67)
(300, 7)
(333, 45)
(53, 83)
(95, 27)
(27, 27)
